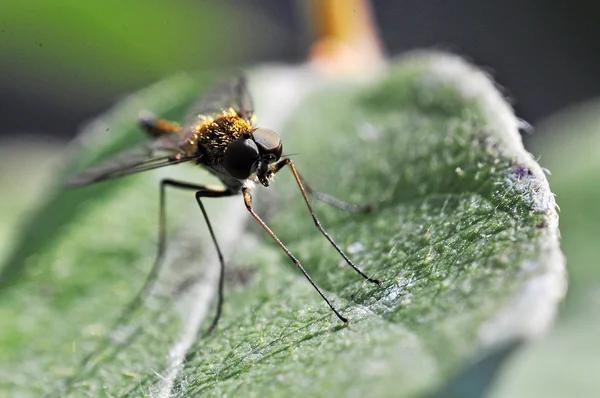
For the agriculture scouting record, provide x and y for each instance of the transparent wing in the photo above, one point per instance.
(228, 94)
(160, 153)
(165, 150)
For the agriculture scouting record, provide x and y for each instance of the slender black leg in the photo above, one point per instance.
(200, 194)
(335, 202)
(248, 202)
(287, 162)
(201, 191)
(323, 197)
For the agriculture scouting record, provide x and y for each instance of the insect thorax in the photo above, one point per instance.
(213, 136)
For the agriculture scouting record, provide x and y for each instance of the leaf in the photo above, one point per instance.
(464, 238)
(567, 143)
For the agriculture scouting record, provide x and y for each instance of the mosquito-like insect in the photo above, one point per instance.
(219, 135)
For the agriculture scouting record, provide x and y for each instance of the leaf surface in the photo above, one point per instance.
(464, 238)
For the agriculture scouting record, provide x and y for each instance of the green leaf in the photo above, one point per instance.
(567, 144)
(464, 238)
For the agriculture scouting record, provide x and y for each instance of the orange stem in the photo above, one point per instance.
(346, 37)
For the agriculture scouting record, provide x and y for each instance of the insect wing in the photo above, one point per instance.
(165, 150)
(160, 153)
(228, 94)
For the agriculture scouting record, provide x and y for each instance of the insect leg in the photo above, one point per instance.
(158, 262)
(248, 202)
(299, 181)
(201, 191)
(330, 200)
(335, 202)
(156, 127)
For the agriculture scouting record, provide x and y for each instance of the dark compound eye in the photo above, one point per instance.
(268, 143)
(240, 156)
(270, 157)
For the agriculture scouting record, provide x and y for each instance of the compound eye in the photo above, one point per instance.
(269, 144)
(240, 156)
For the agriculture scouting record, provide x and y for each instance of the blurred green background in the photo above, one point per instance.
(65, 61)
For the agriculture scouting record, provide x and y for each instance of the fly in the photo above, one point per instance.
(218, 134)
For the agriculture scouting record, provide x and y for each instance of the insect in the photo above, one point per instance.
(218, 134)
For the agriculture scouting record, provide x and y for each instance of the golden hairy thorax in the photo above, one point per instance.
(212, 135)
